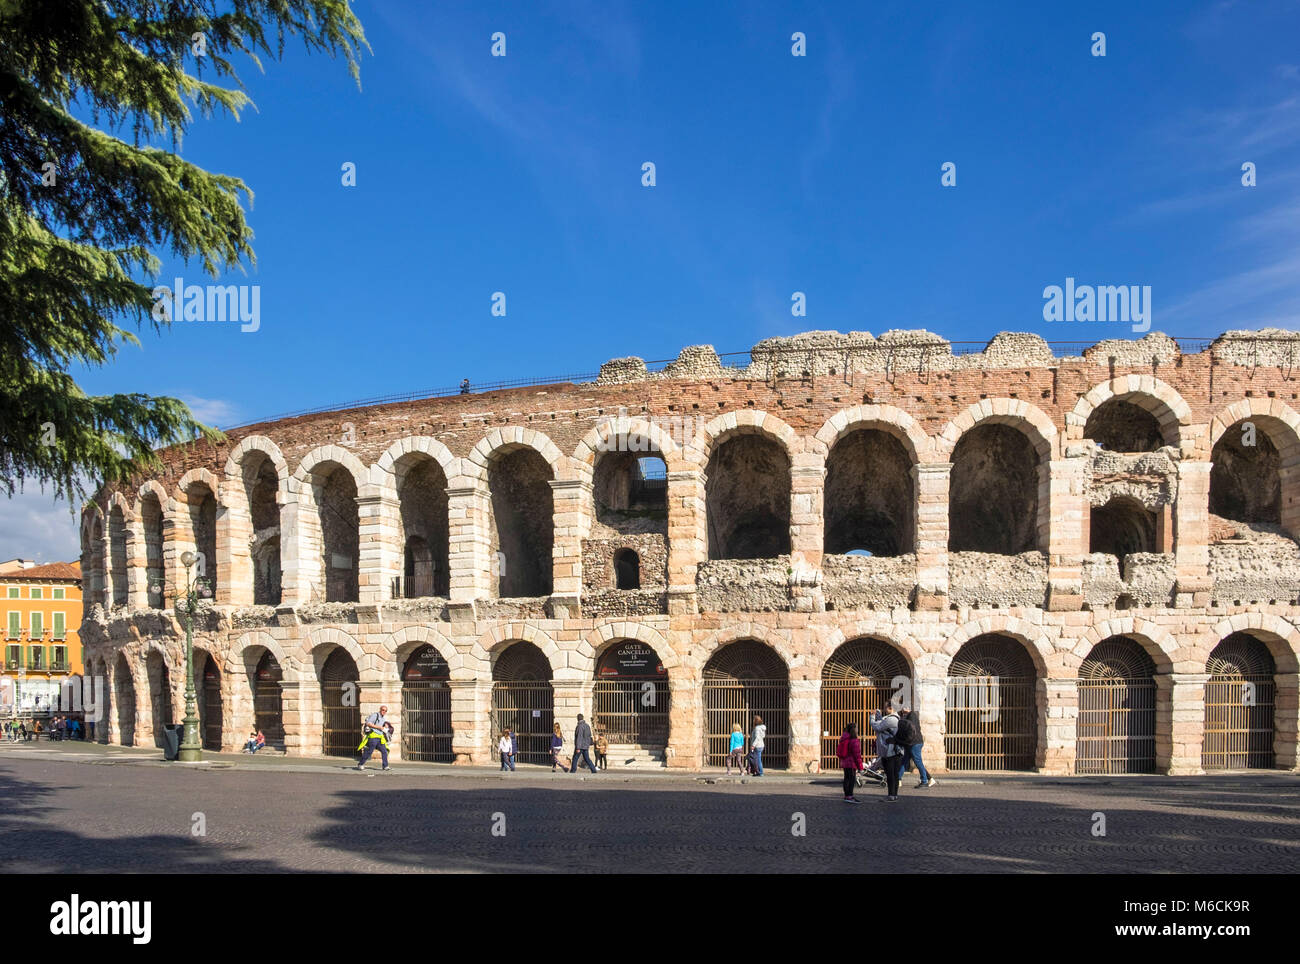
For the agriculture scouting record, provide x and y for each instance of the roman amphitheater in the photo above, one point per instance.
(1069, 560)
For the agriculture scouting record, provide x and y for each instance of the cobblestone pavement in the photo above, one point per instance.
(100, 813)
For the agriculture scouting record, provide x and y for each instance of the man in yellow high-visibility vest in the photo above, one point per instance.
(374, 736)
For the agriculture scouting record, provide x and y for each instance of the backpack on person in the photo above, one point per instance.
(907, 734)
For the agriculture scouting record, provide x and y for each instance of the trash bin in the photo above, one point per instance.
(172, 740)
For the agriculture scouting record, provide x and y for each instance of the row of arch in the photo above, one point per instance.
(992, 704)
(495, 509)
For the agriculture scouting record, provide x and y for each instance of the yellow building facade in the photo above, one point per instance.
(41, 608)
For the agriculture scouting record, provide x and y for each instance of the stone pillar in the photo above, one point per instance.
(300, 548)
(174, 544)
(304, 717)
(572, 521)
(687, 538)
(1286, 720)
(805, 725)
(1192, 536)
(931, 482)
(571, 698)
(471, 711)
(685, 749)
(234, 536)
(929, 701)
(379, 555)
(137, 574)
(807, 526)
(1058, 715)
(468, 545)
(1067, 508)
(1180, 722)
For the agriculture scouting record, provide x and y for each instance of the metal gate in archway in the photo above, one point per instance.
(523, 702)
(1117, 710)
(1239, 706)
(341, 705)
(630, 697)
(991, 714)
(210, 725)
(426, 708)
(268, 700)
(743, 680)
(857, 680)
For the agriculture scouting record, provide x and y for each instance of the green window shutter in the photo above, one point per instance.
(13, 592)
(37, 592)
(60, 630)
(15, 625)
(58, 592)
(38, 625)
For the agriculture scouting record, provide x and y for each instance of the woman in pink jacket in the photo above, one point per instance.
(850, 754)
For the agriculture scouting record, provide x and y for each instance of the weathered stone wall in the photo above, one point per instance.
(869, 582)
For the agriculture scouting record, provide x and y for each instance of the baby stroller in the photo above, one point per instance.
(873, 773)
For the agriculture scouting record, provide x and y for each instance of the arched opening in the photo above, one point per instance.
(340, 693)
(860, 677)
(202, 505)
(747, 499)
(1117, 709)
(426, 707)
(1239, 705)
(1245, 478)
(97, 561)
(151, 521)
(422, 497)
(1120, 527)
(522, 529)
(869, 495)
(742, 680)
(124, 696)
(160, 694)
(335, 492)
(630, 702)
(261, 487)
(268, 699)
(208, 678)
(523, 701)
(627, 569)
(991, 714)
(630, 491)
(117, 552)
(993, 494)
(1120, 426)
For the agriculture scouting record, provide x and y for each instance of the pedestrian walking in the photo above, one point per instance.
(582, 743)
(736, 750)
(850, 753)
(910, 730)
(756, 740)
(886, 727)
(602, 750)
(557, 746)
(505, 749)
(374, 736)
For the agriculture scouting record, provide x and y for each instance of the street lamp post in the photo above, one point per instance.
(196, 588)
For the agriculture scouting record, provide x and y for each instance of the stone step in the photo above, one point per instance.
(626, 756)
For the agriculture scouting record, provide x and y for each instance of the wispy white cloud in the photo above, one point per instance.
(212, 411)
(33, 525)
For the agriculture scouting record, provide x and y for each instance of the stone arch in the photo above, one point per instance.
(119, 550)
(907, 645)
(588, 450)
(1280, 636)
(200, 475)
(94, 561)
(1246, 500)
(885, 418)
(258, 443)
(319, 643)
(699, 656)
(1280, 421)
(1155, 640)
(399, 645)
(320, 456)
(504, 440)
(596, 642)
(489, 646)
(412, 445)
(324, 507)
(744, 422)
(1028, 419)
(415, 474)
(1147, 392)
(1038, 646)
(240, 654)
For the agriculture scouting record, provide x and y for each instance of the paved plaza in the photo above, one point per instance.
(92, 809)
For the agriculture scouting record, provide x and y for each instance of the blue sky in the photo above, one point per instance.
(775, 174)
